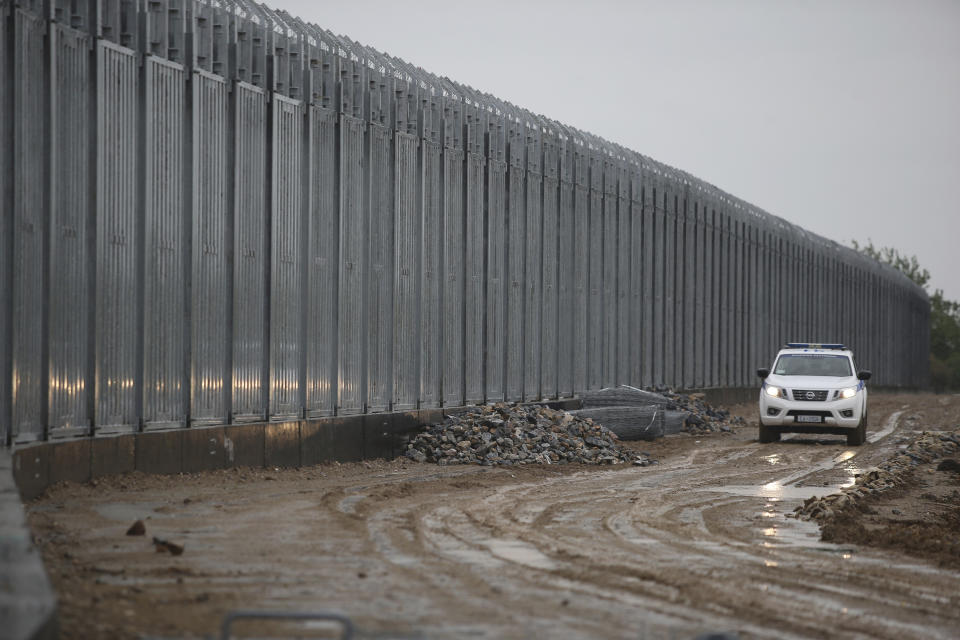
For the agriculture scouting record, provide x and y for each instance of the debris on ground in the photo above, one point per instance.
(930, 446)
(166, 546)
(137, 529)
(647, 414)
(513, 434)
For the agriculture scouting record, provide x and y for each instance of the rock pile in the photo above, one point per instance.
(511, 434)
(928, 447)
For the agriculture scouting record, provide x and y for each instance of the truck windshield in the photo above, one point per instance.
(813, 365)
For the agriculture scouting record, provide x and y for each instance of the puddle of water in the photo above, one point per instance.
(519, 552)
(349, 504)
(888, 427)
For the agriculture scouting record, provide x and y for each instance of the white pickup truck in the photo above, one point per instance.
(814, 388)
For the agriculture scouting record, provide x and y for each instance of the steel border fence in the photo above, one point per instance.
(219, 213)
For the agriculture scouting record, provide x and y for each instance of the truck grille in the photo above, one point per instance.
(810, 395)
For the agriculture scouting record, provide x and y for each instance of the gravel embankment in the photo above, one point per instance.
(895, 472)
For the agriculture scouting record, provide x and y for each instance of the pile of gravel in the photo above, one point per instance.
(928, 447)
(511, 434)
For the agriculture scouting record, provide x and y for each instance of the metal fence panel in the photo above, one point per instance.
(432, 280)
(649, 283)
(699, 277)
(689, 261)
(549, 338)
(351, 322)
(286, 272)
(670, 289)
(380, 269)
(211, 246)
(532, 304)
(118, 251)
(516, 240)
(70, 261)
(164, 246)
(323, 222)
(566, 277)
(453, 271)
(624, 329)
(637, 301)
(29, 225)
(251, 250)
(474, 303)
(496, 278)
(595, 316)
(6, 220)
(609, 275)
(659, 252)
(406, 307)
(581, 272)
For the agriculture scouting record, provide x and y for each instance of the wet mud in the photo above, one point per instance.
(697, 543)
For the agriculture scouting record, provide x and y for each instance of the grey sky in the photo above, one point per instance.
(842, 117)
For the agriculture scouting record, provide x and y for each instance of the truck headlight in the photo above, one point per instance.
(776, 392)
(848, 393)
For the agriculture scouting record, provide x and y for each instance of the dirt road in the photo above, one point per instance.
(697, 543)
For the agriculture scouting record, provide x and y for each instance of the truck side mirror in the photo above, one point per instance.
(763, 373)
(864, 375)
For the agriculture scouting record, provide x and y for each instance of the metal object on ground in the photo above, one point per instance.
(226, 627)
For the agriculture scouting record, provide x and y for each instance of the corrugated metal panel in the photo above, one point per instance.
(689, 258)
(406, 303)
(624, 326)
(637, 301)
(69, 381)
(431, 280)
(700, 274)
(29, 225)
(211, 247)
(496, 266)
(649, 277)
(595, 315)
(516, 241)
(565, 275)
(118, 240)
(453, 270)
(250, 271)
(550, 340)
(739, 319)
(581, 275)
(670, 289)
(610, 264)
(474, 303)
(659, 278)
(6, 220)
(286, 259)
(380, 286)
(164, 386)
(351, 321)
(532, 304)
(323, 246)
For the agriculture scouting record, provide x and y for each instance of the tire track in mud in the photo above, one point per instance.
(663, 542)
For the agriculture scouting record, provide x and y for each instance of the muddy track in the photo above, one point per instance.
(697, 543)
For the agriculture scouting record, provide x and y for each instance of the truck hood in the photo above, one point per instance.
(812, 382)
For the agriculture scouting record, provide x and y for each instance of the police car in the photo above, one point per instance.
(814, 388)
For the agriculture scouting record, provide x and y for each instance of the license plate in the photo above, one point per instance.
(816, 419)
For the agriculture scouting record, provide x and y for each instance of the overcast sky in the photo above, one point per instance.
(840, 116)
